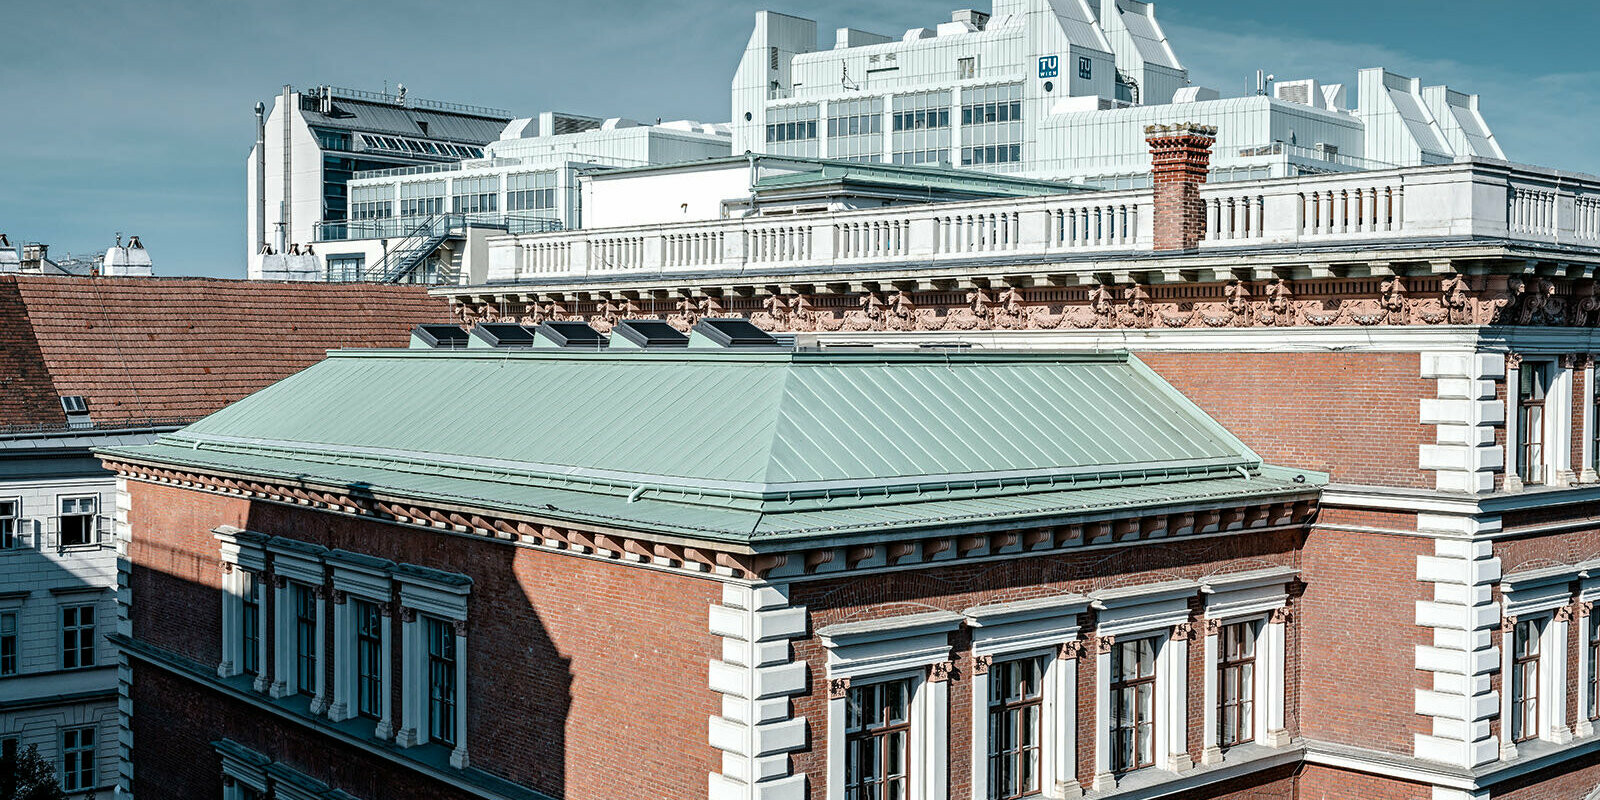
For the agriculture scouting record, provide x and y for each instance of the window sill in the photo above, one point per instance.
(1237, 761)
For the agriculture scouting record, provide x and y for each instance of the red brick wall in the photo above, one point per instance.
(959, 587)
(1352, 415)
(563, 653)
(1358, 682)
(1326, 783)
(175, 721)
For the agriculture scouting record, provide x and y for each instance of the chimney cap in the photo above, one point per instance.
(1180, 129)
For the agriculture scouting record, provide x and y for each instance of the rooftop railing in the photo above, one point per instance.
(417, 102)
(397, 227)
(1492, 201)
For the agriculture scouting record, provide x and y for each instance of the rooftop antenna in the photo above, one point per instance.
(1263, 78)
(844, 79)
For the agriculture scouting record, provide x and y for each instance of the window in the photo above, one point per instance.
(1085, 68)
(422, 198)
(921, 124)
(305, 639)
(531, 191)
(877, 741)
(10, 510)
(991, 125)
(1533, 382)
(369, 659)
(1593, 678)
(479, 195)
(441, 681)
(372, 202)
(250, 625)
(966, 68)
(8, 643)
(1016, 711)
(76, 525)
(1236, 682)
(77, 759)
(792, 131)
(1133, 689)
(855, 129)
(1525, 682)
(346, 267)
(77, 637)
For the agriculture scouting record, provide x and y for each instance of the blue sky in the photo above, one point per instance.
(136, 117)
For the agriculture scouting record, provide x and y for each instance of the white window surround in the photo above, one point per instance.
(366, 578)
(1532, 595)
(1557, 449)
(1588, 595)
(242, 768)
(242, 551)
(915, 646)
(301, 563)
(1134, 612)
(443, 596)
(1255, 595)
(1046, 626)
(1586, 470)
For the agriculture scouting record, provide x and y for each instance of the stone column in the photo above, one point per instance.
(1276, 735)
(1508, 636)
(980, 726)
(1561, 387)
(283, 634)
(1065, 719)
(411, 711)
(385, 729)
(342, 707)
(1513, 482)
(838, 691)
(1212, 751)
(1586, 470)
(1103, 777)
(319, 696)
(458, 756)
(231, 614)
(1555, 687)
(1175, 659)
(263, 624)
(936, 736)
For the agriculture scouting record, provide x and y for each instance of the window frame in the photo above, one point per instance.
(91, 524)
(303, 603)
(81, 758)
(1241, 708)
(1526, 671)
(10, 643)
(878, 735)
(369, 647)
(1531, 448)
(11, 524)
(443, 693)
(1121, 689)
(251, 613)
(1591, 625)
(1010, 712)
(77, 630)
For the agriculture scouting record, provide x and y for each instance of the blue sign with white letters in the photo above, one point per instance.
(1049, 66)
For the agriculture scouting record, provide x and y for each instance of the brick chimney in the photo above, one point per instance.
(1180, 156)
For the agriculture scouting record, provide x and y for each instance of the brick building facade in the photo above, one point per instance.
(1408, 590)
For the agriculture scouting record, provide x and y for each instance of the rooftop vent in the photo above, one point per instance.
(647, 334)
(568, 334)
(74, 404)
(503, 335)
(439, 337)
(730, 333)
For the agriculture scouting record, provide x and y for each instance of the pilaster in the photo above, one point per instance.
(755, 677)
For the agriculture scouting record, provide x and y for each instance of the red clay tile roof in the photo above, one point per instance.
(146, 348)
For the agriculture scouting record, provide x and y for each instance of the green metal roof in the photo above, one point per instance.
(734, 445)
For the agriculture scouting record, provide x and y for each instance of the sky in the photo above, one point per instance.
(137, 117)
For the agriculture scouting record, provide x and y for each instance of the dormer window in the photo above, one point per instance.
(77, 410)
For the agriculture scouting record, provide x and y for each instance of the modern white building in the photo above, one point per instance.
(311, 143)
(1065, 89)
(421, 224)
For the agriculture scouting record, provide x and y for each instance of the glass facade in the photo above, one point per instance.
(921, 124)
(531, 191)
(372, 202)
(855, 129)
(991, 126)
(422, 198)
(477, 195)
(792, 131)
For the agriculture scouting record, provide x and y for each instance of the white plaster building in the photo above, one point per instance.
(1065, 88)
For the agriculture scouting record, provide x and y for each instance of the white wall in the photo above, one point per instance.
(680, 195)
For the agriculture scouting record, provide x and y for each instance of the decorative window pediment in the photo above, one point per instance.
(1147, 607)
(1037, 623)
(878, 646)
(1537, 591)
(1248, 593)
